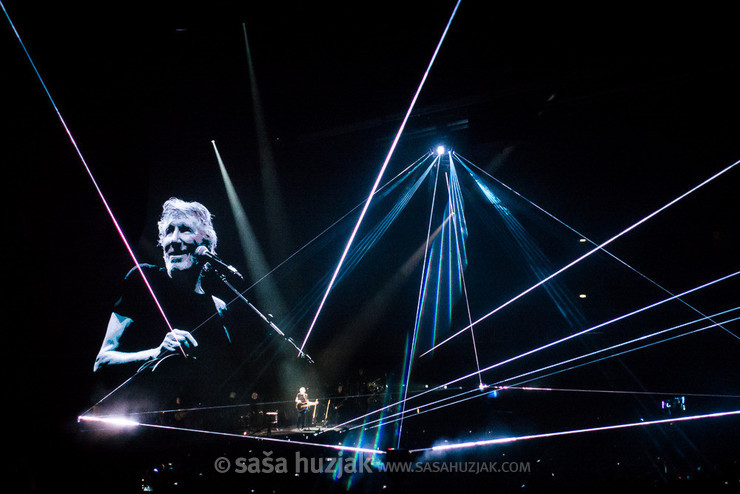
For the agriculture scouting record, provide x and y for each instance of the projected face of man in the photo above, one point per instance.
(182, 235)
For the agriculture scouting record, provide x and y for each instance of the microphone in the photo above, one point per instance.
(203, 252)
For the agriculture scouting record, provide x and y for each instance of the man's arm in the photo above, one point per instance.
(110, 355)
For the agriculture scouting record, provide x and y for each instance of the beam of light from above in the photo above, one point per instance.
(336, 473)
(443, 272)
(404, 371)
(584, 238)
(376, 233)
(461, 270)
(363, 246)
(457, 200)
(404, 173)
(90, 174)
(507, 440)
(387, 397)
(535, 258)
(276, 223)
(498, 364)
(345, 344)
(436, 275)
(404, 272)
(380, 175)
(250, 247)
(589, 253)
(422, 288)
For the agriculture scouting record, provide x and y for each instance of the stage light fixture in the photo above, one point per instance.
(440, 150)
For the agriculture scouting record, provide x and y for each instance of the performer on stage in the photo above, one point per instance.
(302, 404)
(186, 290)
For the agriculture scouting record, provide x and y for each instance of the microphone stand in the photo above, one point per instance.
(267, 319)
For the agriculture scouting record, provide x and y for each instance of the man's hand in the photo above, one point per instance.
(175, 340)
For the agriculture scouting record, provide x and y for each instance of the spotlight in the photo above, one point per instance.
(118, 421)
(440, 150)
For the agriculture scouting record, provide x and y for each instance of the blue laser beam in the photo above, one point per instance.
(422, 289)
(370, 239)
(713, 325)
(379, 177)
(601, 325)
(619, 345)
(498, 384)
(460, 267)
(406, 172)
(537, 261)
(447, 258)
(587, 254)
(561, 222)
(498, 364)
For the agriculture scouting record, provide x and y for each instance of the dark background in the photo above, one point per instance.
(601, 116)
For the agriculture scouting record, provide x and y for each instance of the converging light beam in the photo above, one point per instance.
(377, 180)
(587, 254)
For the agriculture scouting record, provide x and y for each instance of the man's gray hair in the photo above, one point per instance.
(177, 208)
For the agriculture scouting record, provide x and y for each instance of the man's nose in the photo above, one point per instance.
(174, 237)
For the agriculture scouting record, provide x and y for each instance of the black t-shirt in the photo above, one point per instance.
(184, 308)
(207, 375)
